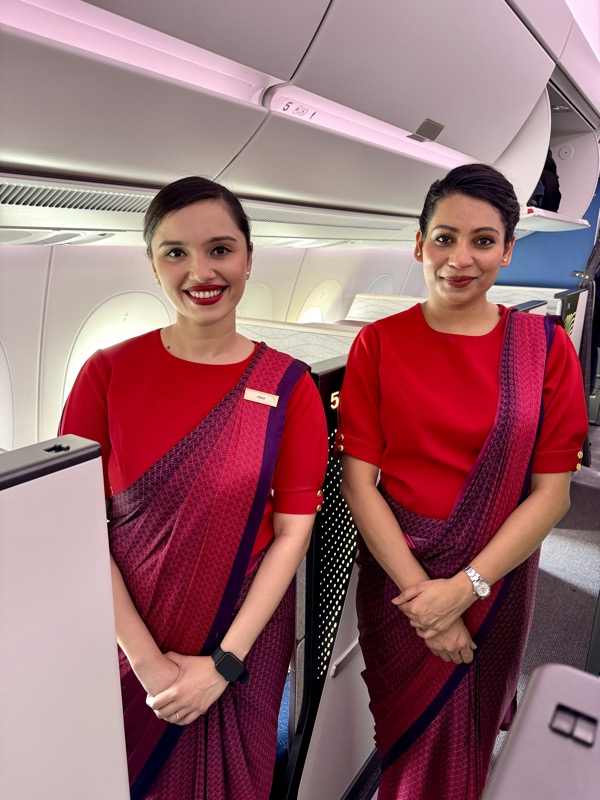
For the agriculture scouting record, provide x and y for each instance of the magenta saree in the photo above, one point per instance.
(182, 536)
(436, 722)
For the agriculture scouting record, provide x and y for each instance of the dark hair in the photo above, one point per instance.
(184, 192)
(481, 182)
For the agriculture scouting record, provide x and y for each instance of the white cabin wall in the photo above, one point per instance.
(83, 280)
(23, 276)
(330, 278)
(272, 282)
(414, 284)
(59, 304)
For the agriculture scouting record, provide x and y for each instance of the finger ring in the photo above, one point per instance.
(177, 715)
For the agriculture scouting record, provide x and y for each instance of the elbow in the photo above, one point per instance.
(565, 496)
(566, 505)
(562, 503)
(346, 493)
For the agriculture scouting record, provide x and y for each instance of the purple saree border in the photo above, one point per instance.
(550, 323)
(273, 436)
(273, 433)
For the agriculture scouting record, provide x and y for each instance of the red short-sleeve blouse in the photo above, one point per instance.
(419, 404)
(138, 401)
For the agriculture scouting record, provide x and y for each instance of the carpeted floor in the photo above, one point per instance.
(569, 579)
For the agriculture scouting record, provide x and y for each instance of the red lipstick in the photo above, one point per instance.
(205, 294)
(459, 282)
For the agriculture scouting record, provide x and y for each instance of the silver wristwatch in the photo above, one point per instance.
(481, 588)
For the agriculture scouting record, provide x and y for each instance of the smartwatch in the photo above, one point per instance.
(229, 666)
(481, 588)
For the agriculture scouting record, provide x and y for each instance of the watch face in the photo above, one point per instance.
(230, 667)
(482, 589)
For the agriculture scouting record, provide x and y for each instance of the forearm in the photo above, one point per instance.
(435, 605)
(133, 636)
(382, 534)
(526, 528)
(276, 572)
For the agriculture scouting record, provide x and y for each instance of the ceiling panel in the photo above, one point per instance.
(267, 35)
(67, 112)
(472, 67)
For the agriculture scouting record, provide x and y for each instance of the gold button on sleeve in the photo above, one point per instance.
(340, 437)
(320, 493)
(578, 467)
(319, 507)
(340, 448)
(580, 454)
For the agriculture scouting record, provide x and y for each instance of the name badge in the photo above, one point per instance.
(261, 397)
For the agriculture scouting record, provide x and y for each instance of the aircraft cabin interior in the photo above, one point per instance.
(329, 119)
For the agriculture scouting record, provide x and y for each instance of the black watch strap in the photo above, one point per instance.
(229, 666)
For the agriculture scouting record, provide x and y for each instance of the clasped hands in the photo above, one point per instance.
(191, 685)
(434, 608)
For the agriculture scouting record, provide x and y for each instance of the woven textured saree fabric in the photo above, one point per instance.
(182, 536)
(436, 722)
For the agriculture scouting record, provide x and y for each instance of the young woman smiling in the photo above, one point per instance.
(459, 424)
(214, 450)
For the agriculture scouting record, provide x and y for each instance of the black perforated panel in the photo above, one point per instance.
(320, 591)
(334, 556)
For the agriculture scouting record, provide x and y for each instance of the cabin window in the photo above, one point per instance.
(116, 319)
(384, 284)
(323, 304)
(256, 302)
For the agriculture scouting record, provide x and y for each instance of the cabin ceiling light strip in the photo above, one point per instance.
(86, 27)
(312, 109)
(277, 213)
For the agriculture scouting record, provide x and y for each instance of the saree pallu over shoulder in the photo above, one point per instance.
(408, 685)
(182, 536)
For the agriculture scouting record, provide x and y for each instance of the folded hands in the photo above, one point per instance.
(434, 608)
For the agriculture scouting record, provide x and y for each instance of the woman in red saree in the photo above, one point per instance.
(475, 417)
(214, 450)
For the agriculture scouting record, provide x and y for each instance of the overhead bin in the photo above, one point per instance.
(553, 123)
(574, 98)
(557, 28)
(302, 163)
(61, 105)
(551, 21)
(579, 61)
(489, 71)
(269, 36)
(523, 160)
(157, 122)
